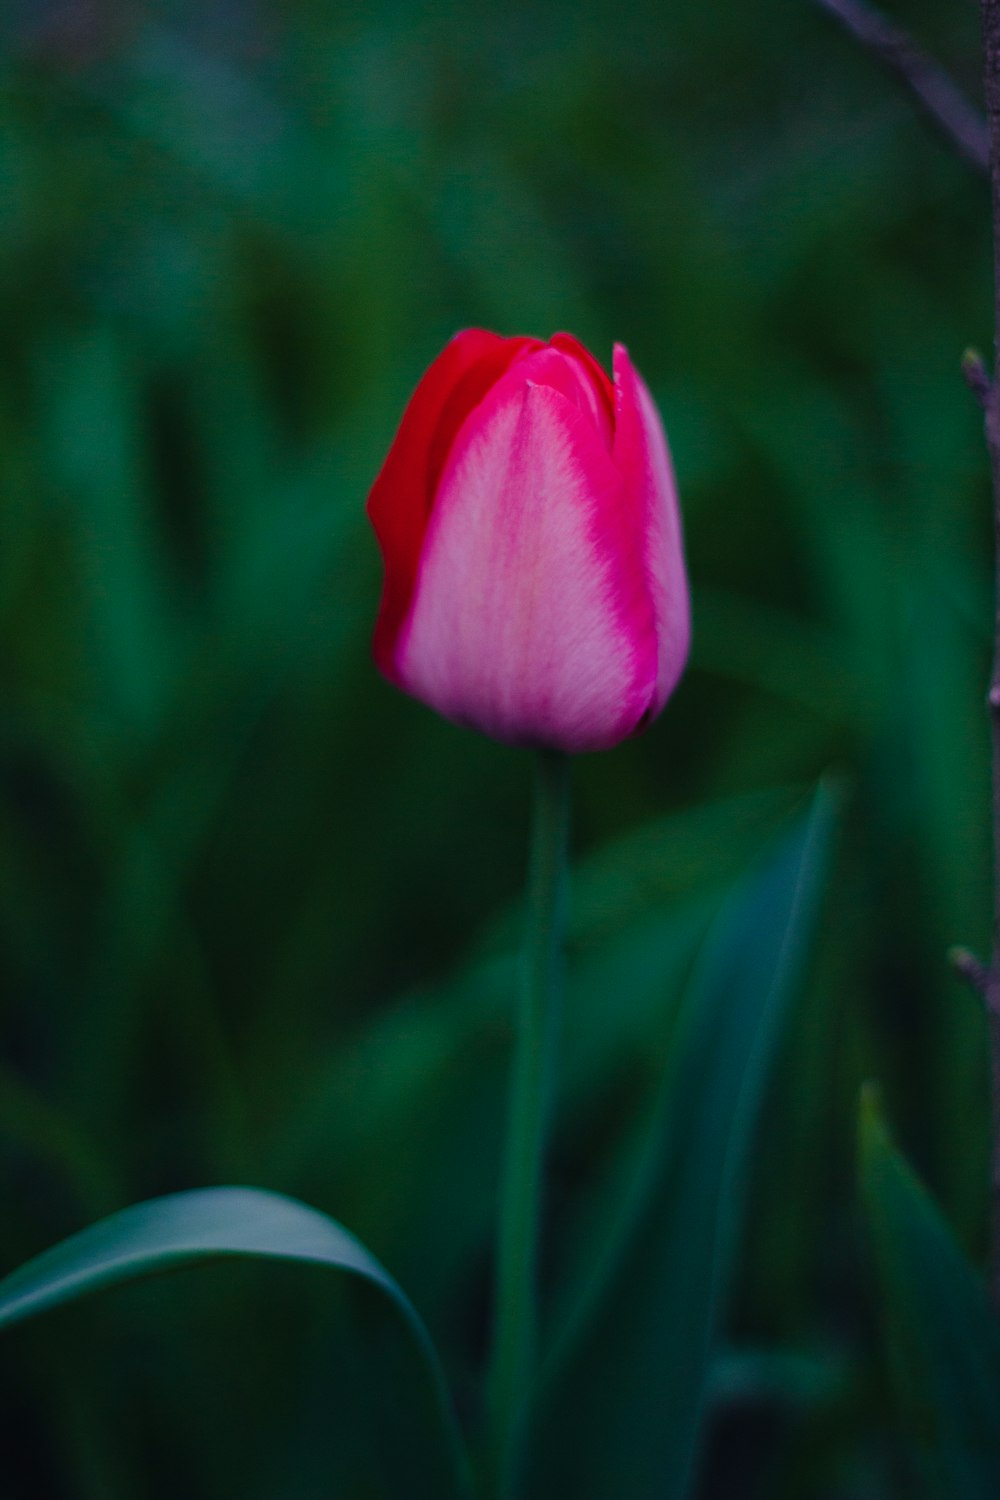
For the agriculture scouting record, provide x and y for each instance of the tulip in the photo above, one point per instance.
(534, 570)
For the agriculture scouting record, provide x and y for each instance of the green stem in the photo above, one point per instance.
(520, 1196)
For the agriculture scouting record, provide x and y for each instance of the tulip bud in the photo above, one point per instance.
(534, 568)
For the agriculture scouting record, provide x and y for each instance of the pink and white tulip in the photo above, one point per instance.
(534, 567)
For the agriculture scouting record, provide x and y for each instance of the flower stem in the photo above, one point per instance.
(514, 1343)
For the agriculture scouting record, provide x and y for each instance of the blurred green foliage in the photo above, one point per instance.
(255, 907)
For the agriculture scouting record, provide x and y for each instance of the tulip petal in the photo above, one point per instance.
(573, 378)
(529, 620)
(643, 460)
(603, 389)
(402, 495)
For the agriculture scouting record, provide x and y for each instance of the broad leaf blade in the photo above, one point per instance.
(944, 1336)
(621, 1403)
(212, 1223)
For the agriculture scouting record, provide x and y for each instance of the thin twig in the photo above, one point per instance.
(991, 48)
(936, 94)
(972, 969)
(976, 377)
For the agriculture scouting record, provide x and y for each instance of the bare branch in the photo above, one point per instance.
(972, 970)
(935, 93)
(976, 377)
(991, 79)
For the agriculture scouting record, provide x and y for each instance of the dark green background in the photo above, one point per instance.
(237, 869)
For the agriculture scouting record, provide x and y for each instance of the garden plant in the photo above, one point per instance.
(672, 1172)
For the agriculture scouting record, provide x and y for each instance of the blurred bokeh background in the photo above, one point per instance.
(255, 906)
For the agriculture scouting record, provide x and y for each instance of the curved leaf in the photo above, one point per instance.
(944, 1336)
(621, 1402)
(212, 1223)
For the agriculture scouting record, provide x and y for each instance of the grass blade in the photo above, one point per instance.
(189, 1228)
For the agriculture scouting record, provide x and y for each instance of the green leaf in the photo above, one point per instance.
(191, 1228)
(621, 1401)
(640, 907)
(944, 1337)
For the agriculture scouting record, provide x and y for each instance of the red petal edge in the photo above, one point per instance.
(599, 378)
(642, 456)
